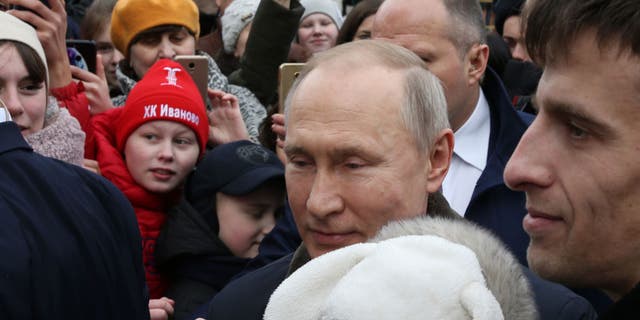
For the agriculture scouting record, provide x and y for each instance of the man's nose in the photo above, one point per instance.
(529, 163)
(520, 53)
(324, 198)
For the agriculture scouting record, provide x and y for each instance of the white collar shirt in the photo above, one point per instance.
(469, 157)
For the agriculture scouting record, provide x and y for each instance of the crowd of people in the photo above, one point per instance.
(423, 165)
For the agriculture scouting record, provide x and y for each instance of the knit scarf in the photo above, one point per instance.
(61, 137)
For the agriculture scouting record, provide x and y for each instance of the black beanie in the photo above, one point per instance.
(505, 9)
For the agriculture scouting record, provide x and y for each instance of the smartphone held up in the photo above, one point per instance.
(198, 69)
(82, 54)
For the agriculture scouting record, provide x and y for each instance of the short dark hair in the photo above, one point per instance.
(352, 22)
(552, 26)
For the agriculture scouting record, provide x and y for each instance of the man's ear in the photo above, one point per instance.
(476, 62)
(440, 158)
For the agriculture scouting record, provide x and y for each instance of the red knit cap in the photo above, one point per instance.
(166, 92)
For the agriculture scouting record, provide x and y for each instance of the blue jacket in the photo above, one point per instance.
(493, 205)
(69, 240)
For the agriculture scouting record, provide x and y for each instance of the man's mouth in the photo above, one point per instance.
(537, 223)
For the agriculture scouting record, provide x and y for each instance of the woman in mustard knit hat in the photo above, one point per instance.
(148, 30)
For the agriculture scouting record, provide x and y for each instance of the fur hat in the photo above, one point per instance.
(327, 7)
(409, 277)
(236, 17)
(166, 92)
(131, 17)
(17, 30)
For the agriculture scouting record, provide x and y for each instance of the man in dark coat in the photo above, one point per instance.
(347, 178)
(69, 240)
(450, 37)
(578, 161)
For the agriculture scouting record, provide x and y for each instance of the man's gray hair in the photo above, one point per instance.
(424, 109)
(466, 26)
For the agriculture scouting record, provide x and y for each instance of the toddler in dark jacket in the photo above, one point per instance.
(231, 202)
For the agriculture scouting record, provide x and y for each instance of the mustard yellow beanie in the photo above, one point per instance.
(130, 17)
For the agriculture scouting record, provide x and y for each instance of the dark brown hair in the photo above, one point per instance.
(361, 11)
(552, 26)
(35, 66)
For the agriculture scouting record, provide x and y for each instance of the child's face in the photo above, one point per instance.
(245, 220)
(159, 155)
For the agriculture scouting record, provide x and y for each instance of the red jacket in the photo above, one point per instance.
(150, 208)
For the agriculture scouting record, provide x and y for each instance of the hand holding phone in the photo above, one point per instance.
(51, 26)
(198, 68)
(288, 73)
(82, 54)
(19, 7)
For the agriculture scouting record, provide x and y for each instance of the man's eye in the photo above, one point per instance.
(576, 131)
(364, 35)
(299, 163)
(354, 165)
(149, 136)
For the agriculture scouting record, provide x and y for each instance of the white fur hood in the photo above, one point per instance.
(424, 268)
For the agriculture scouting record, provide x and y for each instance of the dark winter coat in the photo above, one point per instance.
(552, 301)
(195, 261)
(69, 240)
(627, 308)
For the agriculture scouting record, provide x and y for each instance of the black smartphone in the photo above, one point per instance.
(82, 54)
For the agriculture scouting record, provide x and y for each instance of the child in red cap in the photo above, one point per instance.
(148, 147)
